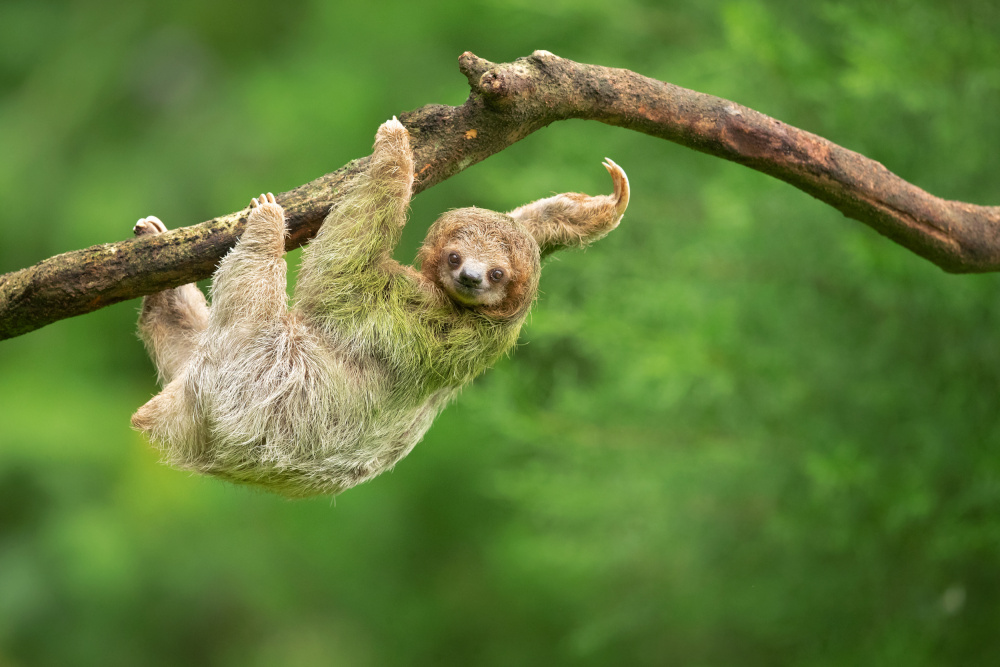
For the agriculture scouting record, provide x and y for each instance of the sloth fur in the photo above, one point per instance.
(319, 397)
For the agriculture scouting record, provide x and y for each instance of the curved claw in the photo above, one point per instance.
(621, 184)
(148, 225)
(263, 199)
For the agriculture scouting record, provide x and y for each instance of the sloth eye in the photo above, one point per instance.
(454, 259)
(496, 275)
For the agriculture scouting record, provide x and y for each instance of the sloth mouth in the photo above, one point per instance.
(467, 294)
(469, 289)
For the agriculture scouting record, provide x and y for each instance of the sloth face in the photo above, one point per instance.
(482, 260)
(473, 278)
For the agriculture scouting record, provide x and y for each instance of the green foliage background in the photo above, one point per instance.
(742, 430)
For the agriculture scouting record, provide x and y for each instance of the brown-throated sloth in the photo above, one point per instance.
(324, 395)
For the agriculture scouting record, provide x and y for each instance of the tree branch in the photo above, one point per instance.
(508, 102)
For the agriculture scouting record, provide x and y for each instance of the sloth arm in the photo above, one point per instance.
(349, 262)
(575, 220)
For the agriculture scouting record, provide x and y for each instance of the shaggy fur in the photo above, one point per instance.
(323, 396)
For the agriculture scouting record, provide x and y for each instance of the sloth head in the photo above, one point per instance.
(482, 260)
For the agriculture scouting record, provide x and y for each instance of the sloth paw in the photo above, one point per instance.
(147, 226)
(621, 184)
(263, 200)
(266, 204)
(389, 129)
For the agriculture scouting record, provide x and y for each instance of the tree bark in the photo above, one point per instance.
(508, 102)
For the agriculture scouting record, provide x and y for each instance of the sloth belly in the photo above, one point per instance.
(291, 416)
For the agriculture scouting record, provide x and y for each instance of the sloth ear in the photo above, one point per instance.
(574, 220)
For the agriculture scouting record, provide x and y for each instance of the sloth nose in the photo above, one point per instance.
(470, 277)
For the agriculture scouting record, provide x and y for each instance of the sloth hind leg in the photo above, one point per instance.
(248, 288)
(170, 321)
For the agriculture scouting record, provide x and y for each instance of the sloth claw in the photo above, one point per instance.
(621, 184)
(148, 225)
(262, 200)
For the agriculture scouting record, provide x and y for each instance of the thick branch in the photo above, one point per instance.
(508, 102)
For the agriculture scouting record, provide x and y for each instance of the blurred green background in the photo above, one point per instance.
(741, 430)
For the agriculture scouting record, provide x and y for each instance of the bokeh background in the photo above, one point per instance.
(740, 430)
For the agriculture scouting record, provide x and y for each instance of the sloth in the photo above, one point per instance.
(318, 397)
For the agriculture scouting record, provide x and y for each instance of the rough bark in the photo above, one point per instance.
(509, 101)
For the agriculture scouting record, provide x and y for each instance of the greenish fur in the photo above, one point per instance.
(330, 393)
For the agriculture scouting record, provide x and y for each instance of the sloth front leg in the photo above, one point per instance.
(357, 237)
(248, 288)
(575, 220)
(170, 321)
